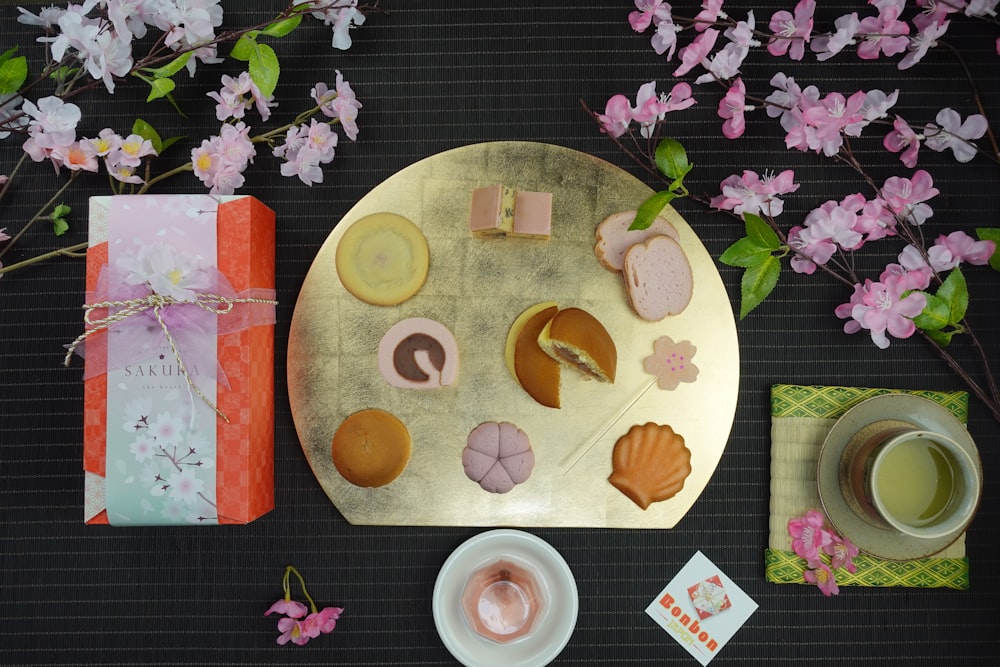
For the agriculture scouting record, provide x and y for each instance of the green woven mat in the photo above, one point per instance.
(817, 407)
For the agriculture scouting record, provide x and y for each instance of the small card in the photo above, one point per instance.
(701, 608)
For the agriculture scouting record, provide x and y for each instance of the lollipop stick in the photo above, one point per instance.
(574, 457)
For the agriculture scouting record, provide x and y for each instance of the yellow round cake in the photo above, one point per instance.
(382, 259)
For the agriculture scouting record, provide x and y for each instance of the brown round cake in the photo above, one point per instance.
(576, 338)
(371, 448)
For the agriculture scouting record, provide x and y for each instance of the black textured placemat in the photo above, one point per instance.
(432, 75)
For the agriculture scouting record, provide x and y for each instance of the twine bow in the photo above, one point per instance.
(124, 309)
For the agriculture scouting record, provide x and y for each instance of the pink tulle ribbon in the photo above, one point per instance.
(139, 321)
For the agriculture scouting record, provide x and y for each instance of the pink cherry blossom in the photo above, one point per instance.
(842, 552)
(648, 107)
(131, 150)
(695, 52)
(220, 161)
(55, 119)
(791, 32)
(725, 64)
(346, 106)
(76, 157)
(664, 40)
(291, 630)
(290, 608)
(651, 108)
(616, 117)
(877, 104)
(808, 536)
(822, 576)
(304, 164)
(875, 221)
(325, 620)
(952, 133)
(906, 197)
(239, 94)
(950, 251)
(922, 42)
(731, 108)
(902, 139)
(830, 116)
(122, 173)
(811, 248)
(47, 17)
(827, 46)
(881, 308)
(836, 222)
(711, 11)
(648, 12)
(235, 146)
(910, 278)
(751, 193)
(322, 139)
(106, 141)
(883, 34)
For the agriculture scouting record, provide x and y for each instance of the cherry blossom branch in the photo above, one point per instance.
(76, 250)
(38, 216)
(992, 403)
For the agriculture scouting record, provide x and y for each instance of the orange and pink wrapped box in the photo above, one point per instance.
(179, 360)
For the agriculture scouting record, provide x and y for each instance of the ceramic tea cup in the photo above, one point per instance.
(918, 482)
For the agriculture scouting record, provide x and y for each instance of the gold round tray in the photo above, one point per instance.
(477, 287)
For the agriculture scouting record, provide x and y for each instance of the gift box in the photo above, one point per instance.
(179, 360)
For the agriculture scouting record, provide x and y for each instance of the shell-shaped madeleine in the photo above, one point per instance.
(650, 463)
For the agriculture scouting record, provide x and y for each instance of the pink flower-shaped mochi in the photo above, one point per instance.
(671, 362)
(498, 456)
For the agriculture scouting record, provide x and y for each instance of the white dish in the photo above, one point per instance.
(555, 626)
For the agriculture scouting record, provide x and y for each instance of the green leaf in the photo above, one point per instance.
(746, 252)
(146, 131)
(13, 72)
(245, 46)
(671, 159)
(167, 143)
(955, 292)
(934, 316)
(61, 211)
(264, 69)
(63, 73)
(282, 28)
(761, 232)
(651, 208)
(172, 67)
(160, 88)
(942, 338)
(59, 226)
(991, 234)
(7, 54)
(757, 282)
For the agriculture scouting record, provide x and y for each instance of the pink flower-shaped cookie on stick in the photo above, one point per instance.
(670, 364)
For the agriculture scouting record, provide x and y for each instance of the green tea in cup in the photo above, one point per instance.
(922, 483)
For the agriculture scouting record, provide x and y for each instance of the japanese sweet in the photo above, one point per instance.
(536, 371)
(658, 278)
(498, 456)
(614, 237)
(577, 339)
(418, 353)
(650, 463)
(383, 259)
(371, 448)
